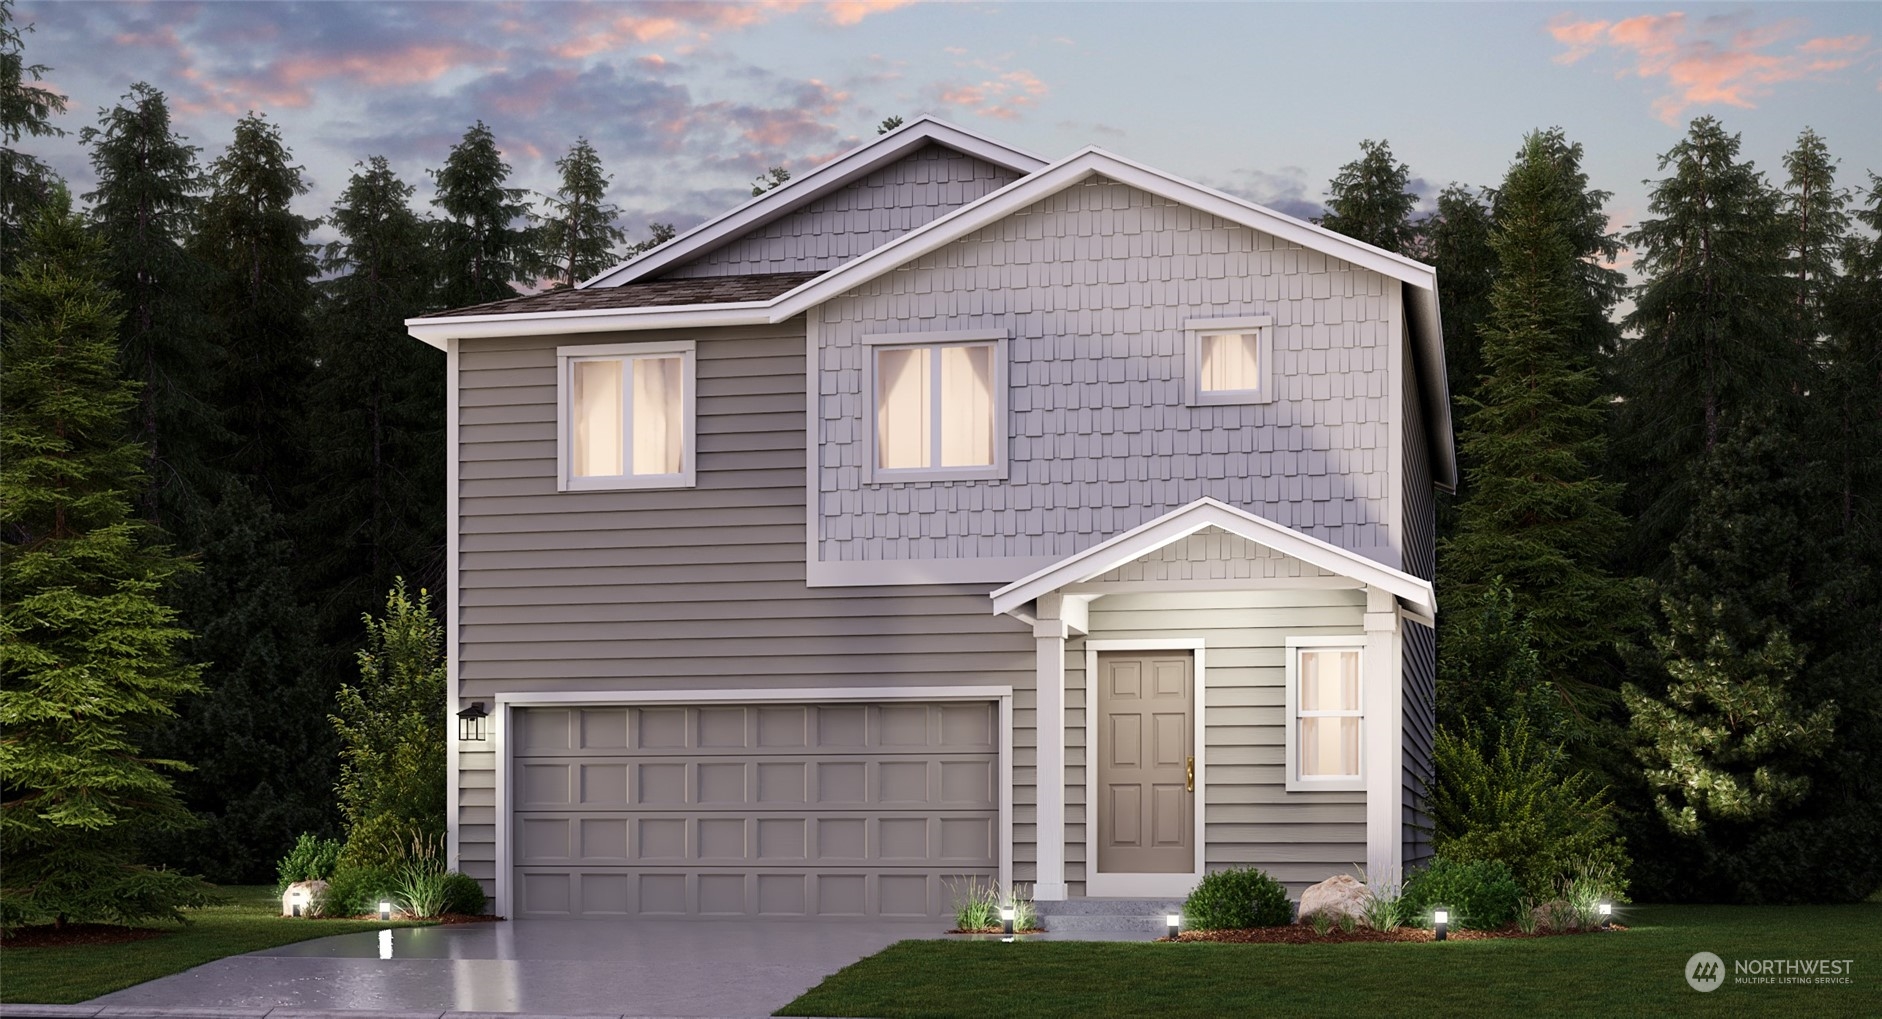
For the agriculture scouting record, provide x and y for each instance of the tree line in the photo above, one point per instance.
(1661, 601)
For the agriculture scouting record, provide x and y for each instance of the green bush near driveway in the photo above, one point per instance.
(1481, 895)
(249, 922)
(1234, 899)
(1634, 972)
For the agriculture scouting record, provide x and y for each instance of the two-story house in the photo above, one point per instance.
(945, 512)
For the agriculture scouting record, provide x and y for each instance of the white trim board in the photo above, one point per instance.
(1143, 885)
(1086, 566)
(454, 702)
(501, 899)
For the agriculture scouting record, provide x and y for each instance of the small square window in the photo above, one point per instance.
(937, 409)
(1229, 360)
(626, 417)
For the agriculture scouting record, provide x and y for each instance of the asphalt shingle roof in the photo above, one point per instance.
(645, 294)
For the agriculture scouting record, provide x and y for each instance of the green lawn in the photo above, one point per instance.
(249, 922)
(1639, 971)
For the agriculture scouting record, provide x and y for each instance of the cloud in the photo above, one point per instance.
(1283, 190)
(1716, 61)
(993, 92)
(849, 12)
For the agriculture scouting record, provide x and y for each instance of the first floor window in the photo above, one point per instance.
(627, 419)
(937, 408)
(1324, 701)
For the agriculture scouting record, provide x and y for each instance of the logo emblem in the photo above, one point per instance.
(1705, 972)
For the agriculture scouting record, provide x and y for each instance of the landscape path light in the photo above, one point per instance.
(1173, 922)
(1441, 920)
(1606, 909)
(1006, 919)
(385, 910)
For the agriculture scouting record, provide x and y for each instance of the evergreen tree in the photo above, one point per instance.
(1850, 418)
(149, 191)
(260, 299)
(769, 180)
(1585, 224)
(1368, 201)
(26, 110)
(1459, 246)
(377, 414)
(1539, 518)
(391, 728)
(1817, 225)
(484, 243)
(88, 651)
(1709, 320)
(1736, 734)
(580, 236)
(888, 124)
(657, 234)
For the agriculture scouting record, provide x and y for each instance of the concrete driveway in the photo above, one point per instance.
(632, 967)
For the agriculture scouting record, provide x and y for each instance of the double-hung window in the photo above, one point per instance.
(626, 416)
(938, 406)
(1230, 360)
(1325, 714)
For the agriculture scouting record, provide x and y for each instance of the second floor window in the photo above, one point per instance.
(627, 418)
(1230, 360)
(937, 409)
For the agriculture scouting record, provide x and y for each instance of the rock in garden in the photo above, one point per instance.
(302, 897)
(1337, 896)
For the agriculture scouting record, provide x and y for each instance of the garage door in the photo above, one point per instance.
(766, 810)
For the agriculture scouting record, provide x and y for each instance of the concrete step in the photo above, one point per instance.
(1106, 914)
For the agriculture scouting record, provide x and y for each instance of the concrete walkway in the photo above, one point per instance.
(540, 967)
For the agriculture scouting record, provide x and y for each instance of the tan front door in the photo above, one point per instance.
(1146, 756)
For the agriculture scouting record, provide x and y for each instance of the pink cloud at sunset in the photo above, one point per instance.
(1002, 95)
(850, 12)
(1710, 62)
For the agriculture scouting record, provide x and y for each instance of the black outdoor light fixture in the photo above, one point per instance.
(1441, 921)
(470, 722)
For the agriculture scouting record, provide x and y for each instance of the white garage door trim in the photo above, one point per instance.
(502, 902)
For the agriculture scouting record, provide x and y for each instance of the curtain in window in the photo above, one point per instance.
(659, 420)
(966, 406)
(1229, 362)
(1329, 744)
(597, 412)
(902, 411)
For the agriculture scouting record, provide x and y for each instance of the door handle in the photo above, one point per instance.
(1189, 775)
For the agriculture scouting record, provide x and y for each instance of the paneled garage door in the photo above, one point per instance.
(764, 810)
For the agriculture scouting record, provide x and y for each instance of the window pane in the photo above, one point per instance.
(967, 406)
(1329, 747)
(659, 408)
(902, 413)
(1329, 681)
(1229, 362)
(597, 412)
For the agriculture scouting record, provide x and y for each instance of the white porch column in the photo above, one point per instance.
(1385, 738)
(1049, 634)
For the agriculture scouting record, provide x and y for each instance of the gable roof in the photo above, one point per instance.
(1414, 594)
(801, 191)
(644, 294)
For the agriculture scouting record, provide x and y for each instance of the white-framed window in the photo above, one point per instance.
(1325, 713)
(624, 416)
(936, 406)
(1231, 360)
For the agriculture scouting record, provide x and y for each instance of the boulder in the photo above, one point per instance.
(1337, 896)
(302, 898)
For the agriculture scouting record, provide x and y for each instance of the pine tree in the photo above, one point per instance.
(260, 299)
(1709, 319)
(26, 110)
(88, 650)
(484, 243)
(1585, 225)
(657, 234)
(1817, 225)
(391, 728)
(377, 415)
(1368, 201)
(1539, 519)
(888, 124)
(149, 191)
(580, 237)
(769, 180)
(1459, 236)
(1733, 737)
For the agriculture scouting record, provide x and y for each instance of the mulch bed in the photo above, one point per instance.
(1301, 934)
(49, 936)
(443, 921)
(998, 929)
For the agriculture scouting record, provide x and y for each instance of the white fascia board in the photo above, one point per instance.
(436, 331)
(794, 193)
(1085, 164)
(1100, 559)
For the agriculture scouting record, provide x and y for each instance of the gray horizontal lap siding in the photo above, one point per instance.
(1093, 286)
(864, 215)
(1421, 652)
(617, 591)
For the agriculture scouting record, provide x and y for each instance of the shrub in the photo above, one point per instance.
(1384, 907)
(1481, 894)
(1234, 899)
(311, 859)
(462, 894)
(355, 889)
(977, 906)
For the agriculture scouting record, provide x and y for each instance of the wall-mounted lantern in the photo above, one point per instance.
(470, 722)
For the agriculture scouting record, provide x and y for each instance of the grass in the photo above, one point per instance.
(249, 922)
(1634, 972)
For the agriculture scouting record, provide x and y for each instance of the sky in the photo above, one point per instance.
(687, 102)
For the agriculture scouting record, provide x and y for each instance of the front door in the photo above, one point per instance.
(1146, 762)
